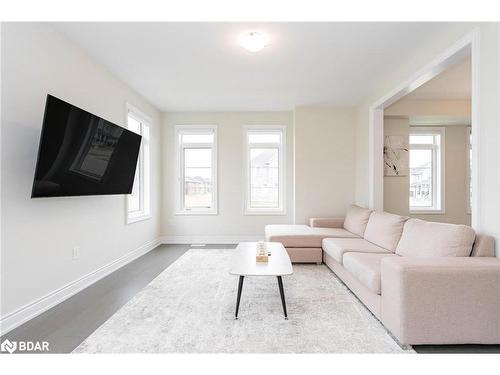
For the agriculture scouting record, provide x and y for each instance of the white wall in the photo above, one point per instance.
(38, 234)
(230, 225)
(489, 135)
(324, 162)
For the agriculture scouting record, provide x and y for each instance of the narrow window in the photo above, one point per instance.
(265, 163)
(196, 150)
(426, 170)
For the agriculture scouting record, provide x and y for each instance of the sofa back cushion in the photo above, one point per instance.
(425, 239)
(384, 229)
(356, 219)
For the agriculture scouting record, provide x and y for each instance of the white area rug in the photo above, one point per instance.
(189, 308)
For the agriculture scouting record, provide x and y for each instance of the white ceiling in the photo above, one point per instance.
(454, 83)
(200, 67)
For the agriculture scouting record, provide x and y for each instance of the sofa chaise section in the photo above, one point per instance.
(304, 242)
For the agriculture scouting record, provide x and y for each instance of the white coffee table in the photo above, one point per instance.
(244, 264)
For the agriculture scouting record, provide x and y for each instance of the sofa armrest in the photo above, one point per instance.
(441, 300)
(484, 246)
(326, 222)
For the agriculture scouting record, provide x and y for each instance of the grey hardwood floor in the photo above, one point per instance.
(68, 324)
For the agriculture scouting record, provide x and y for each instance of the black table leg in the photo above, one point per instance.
(240, 286)
(282, 293)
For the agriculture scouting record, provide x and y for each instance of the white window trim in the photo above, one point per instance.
(280, 211)
(438, 170)
(197, 129)
(468, 147)
(145, 178)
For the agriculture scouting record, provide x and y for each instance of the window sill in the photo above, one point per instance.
(427, 212)
(264, 213)
(135, 219)
(196, 213)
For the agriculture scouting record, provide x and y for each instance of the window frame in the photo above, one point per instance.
(265, 129)
(179, 161)
(438, 169)
(144, 167)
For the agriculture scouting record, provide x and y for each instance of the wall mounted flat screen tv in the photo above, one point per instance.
(83, 154)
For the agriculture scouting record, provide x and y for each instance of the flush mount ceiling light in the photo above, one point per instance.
(254, 41)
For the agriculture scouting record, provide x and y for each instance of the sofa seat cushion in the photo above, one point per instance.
(365, 267)
(303, 235)
(384, 229)
(337, 247)
(356, 219)
(425, 239)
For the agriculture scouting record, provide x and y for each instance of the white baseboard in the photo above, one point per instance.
(209, 239)
(31, 310)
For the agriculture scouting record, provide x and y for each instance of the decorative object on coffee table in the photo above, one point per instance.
(261, 253)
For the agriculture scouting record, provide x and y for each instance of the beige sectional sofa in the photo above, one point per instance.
(428, 283)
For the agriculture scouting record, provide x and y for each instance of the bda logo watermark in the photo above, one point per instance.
(24, 346)
(8, 346)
